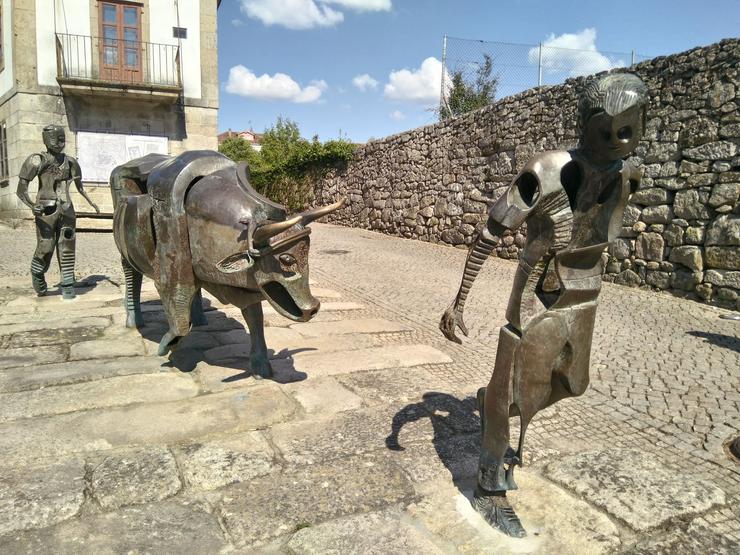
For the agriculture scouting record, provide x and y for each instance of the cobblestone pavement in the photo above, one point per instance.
(109, 448)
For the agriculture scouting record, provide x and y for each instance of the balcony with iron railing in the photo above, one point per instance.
(104, 66)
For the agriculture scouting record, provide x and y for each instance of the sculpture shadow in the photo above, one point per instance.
(726, 341)
(190, 351)
(82, 286)
(456, 426)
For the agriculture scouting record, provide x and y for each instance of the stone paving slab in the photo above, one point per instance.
(634, 487)
(279, 506)
(176, 526)
(39, 496)
(154, 423)
(373, 358)
(31, 356)
(64, 373)
(364, 325)
(112, 392)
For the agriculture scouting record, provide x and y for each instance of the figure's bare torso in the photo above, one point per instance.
(574, 212)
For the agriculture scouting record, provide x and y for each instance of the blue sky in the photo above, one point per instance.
(338, 65)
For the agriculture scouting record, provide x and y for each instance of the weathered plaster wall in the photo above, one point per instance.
(681, 230)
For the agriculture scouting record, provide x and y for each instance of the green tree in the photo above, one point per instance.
(466, 96)
(287, 167)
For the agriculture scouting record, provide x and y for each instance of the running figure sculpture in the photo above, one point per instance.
(572, 202)
(53, 209)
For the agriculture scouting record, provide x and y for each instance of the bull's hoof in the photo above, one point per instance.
(260, 365)
(134, 320)
(498, 513)
(167, 343)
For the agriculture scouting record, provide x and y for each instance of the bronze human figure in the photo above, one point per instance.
(572, 202)
(53, 210)
(194, 222)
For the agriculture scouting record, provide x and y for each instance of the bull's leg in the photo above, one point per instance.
(258, 360)
(132, 300)
(176, 302)
(197, 317)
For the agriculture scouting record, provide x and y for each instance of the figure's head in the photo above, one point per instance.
(54, 139)
(612, 111)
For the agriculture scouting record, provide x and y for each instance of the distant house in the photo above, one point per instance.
(254, 139)
(123, 77)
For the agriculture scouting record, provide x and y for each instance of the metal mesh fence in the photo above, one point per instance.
(517, 67)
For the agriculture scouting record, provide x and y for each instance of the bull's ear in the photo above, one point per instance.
(236, 262)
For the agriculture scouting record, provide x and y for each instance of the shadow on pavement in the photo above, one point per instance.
(727, 341)
(456, 426)
(185, 357)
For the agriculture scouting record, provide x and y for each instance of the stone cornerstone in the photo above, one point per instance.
(681, 231)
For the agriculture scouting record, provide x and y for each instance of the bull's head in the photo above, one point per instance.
(278, 260)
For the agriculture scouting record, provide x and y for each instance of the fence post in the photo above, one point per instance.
(539, 68)
(633, 58)
(442, 100)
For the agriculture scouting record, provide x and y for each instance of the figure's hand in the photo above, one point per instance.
(37, 210)
(452, 319)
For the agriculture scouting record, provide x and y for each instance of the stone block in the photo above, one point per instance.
(135, 477)
(660, 214)
(724, 231)
(649, 246)
(685, 280)
(650, 197)
(657, 279)
(616, 480)
(689, 256)
(717, 150)
(673, 235)
(688, 205)
(30, 356)
(694, 235)
(727, 258)
(724, 193)
(723, 278)
(629, 278)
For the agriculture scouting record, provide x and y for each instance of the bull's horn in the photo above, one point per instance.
(264, 232)
(314, 214)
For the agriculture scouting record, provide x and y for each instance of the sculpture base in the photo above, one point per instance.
(497, 511)
(68, 292)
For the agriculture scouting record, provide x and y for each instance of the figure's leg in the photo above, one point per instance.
(197, 317)
(45, 243)
(66, 256)
(497, 461)
(258, 359)
(177, 303)
(132, 300)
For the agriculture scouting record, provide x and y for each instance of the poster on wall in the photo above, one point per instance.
(99, 153)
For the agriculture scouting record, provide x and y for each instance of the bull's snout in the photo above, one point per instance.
(299, 306)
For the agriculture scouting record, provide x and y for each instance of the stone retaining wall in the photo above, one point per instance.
(681, 230)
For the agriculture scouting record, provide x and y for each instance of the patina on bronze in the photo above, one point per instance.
(53, 210)
(194, 222)
(573, 203)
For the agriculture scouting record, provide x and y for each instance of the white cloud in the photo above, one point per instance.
(398, 115)
(574, 54)
(363, 5)
(237, 22)
(419, 85)
(307, 14)
(280, 86)
(364, 82)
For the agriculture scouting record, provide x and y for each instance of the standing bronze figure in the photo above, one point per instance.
(572, 202)
(194, 222)
(53, 209)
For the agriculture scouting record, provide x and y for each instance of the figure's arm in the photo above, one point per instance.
(508, 212)
(77, 178)
(29, 171)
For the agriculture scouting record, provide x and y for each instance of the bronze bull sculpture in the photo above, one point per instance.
(194, 222)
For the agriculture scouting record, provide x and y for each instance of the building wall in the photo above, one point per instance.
(6, 75)
(38, 100)
(681, 230)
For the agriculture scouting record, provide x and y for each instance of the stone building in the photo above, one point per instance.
(124, 78)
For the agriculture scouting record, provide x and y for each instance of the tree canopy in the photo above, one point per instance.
(465, 96)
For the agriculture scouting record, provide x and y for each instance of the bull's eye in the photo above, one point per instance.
(287, 259)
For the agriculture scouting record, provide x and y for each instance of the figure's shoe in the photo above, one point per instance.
(498, 513)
